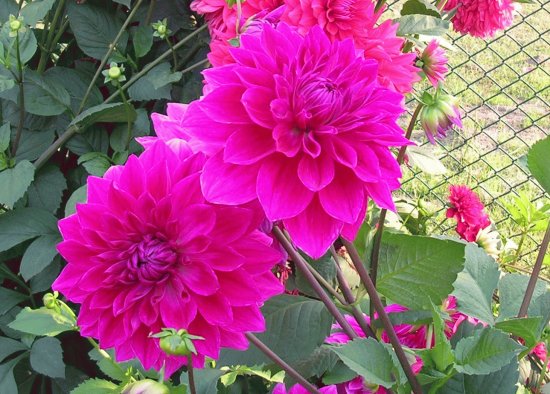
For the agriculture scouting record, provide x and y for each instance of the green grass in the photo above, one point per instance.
(503, 86)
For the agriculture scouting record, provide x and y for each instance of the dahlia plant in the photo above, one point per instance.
(247, 245)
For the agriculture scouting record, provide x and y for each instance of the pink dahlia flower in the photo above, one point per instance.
(300, 124)
(147, 252)
(439, 115)
(356, 19)
(434, 63)
(481, 18)
(297, 389)
(469, 212)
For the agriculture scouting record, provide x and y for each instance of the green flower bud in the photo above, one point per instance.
(50, 301)
(174, 345)
(15, 25)
(114, 72)
(146, 386)
(162, 29)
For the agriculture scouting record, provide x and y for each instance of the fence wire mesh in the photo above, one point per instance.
(503, 85)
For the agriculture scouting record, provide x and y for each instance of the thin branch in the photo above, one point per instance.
(534, 275)
(350, 299)
(379, 307)
(191, 374)
(50, 38)
(301, 264)
(325, 284)
(21, 100)
(279, 361)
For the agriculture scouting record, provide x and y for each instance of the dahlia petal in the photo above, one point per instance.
(69, 227)
(344, 197)
(234, 340)
(248, 145)
(225, 183)
(174, 312)
(349, 231)
(381, 194)
(195, 275)
(256, 100)
(313, 230)
(217, 108)
(248, 318)
(280, 193)
(316, 173)
(216, 309)
(210, 346)
(231, 285)
(195, 221)
(232, 223)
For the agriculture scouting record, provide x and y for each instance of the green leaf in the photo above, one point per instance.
(95, 139)
(526, 328)
(76, 82)
(43, 96)
(27, 45)
(23, 224)
(538, 161)
(7, 7)
(5, 132)
(10, 346)
(317, 363)
(486, 351)
(95, 28)
(425, 160)
(6, 82)
(96, 163)
(511, 290)
(415, 271)
(39, 255)
(78, 196)
(41, 321)
(442, 353)
(10, 298)
(116, 372)
(47, 357)
(154, 85)
(7, 380)
(475, 285)
(422, 24)
(368, 358)
(285, 317)
(324, 266)
(504, 381)
(47, 189)
(15, 182)
(117, 112)
(143, 40)
(33, 144)
(36, 11)
(420, 7)
(96, 386)
(206, 380)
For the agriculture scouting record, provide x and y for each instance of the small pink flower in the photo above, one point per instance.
(481, 18)
(147, 252)
(300, 124)
(541, 352)
(439, 115)
(434, 63)
(469, 212)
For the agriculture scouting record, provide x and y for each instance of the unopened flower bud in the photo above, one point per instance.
(438, 115)
(176, 343)
(50, 301)
(161, 29)
(146, 386)
(16, 25)
(114, 72)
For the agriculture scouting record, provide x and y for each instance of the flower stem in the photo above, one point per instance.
(302, 265)
(520, 245)
(350, 299)
(375, 254)
(379, 307)
(191, 374)
(534, 275)
(21, 100)
(280, 362)
(174, 56)
(325, 284)
(50, 38)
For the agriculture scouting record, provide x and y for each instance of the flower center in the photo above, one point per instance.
(320, 98)
(151, 259)
(341, 10)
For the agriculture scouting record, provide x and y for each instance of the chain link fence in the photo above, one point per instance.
(503, 85)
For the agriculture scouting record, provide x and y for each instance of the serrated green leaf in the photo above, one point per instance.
(47, 189)
(286, 316)
(10, 346)
(154, 85)
(317, 363)
(33, 144)
(78, 196)
(5, 132)
(95, 28)
(96, 163)
(206, 380)
(415, 271)
(421, 7)
(95, 139)
(7, 7)
(486, 351)
(96, 386)
(39, 255)
(143, 40)
(475, 285)
(15, 182)
(511, 290)
(10, 298)
(324, 266)
(425, 160)
(526, 328)
(27, 45)
(41, 321)
(23, 224)
(43, 96)
(47, 357)
(116, 372)
(6, 82)
(368, 358)
(76, 82)
(7, 380)
(422, 24)
(36, 11)
(538, 161)
(117, 112)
